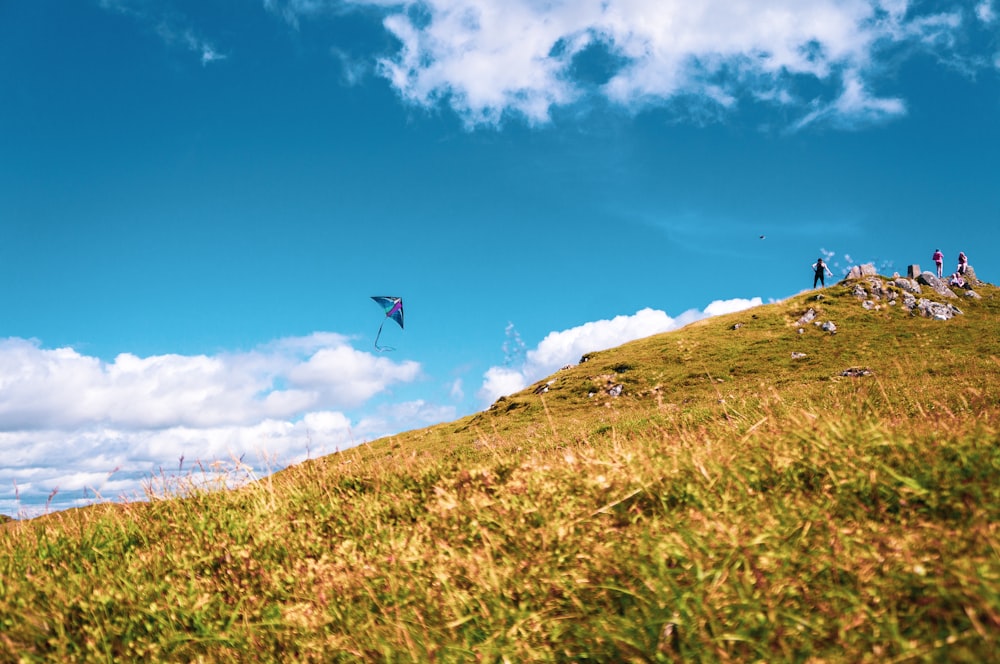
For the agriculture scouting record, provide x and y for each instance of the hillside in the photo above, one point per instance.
(752, 487)
(710, 370)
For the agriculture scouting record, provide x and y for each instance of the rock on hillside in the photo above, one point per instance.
(875, 292)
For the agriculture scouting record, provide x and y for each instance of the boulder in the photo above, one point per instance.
(908, 285)
(940, 286)
(970, 276)
(829, 326)
(858, 271)
(807, 317)
(877, 287)
(936, 310)
(928, 278)
(542, 389)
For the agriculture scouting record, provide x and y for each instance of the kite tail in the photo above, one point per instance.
(381, 348)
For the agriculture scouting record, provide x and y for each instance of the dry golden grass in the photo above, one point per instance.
(733, 504)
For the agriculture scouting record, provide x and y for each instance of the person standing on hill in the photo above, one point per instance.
(819, 269)
(938, 259)
(963, 262)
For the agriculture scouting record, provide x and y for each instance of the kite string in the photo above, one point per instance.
(377, 347)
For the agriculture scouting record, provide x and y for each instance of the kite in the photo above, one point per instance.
(393, 307)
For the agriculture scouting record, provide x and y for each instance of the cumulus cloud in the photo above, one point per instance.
(491, 58)
(558, 349)
(67, 420)
(62, 388)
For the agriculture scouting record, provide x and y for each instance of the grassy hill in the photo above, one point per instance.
(734, 490)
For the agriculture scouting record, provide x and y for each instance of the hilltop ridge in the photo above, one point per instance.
(807, 343)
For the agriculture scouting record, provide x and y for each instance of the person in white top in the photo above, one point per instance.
(819, 269)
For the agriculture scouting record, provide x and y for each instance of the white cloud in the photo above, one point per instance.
(291, 10)
(61, 388)
(209, 54)
(353, 70)
(985, 11)
(489, 58)
(67, 420)
(173, 34)
(172, 27)
(722, 307)
(501, 381)
(854, 105)
(558, 349)
(404, 416)
(347, 377)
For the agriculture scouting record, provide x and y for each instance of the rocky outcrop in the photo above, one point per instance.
(908, 285)
(859, 271)
(936, 310)
(874, 292)
(810, 317)
(939, 286)
(970, 277)
(920, 294)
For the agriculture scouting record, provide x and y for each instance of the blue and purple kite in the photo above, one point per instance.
(393, 307)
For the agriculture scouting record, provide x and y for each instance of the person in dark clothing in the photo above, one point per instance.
(819, 270)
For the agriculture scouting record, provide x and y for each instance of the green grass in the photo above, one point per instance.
(733, 504)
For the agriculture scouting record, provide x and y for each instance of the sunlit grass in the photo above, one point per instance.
(730, 505)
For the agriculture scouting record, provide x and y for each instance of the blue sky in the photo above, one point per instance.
(198, 197)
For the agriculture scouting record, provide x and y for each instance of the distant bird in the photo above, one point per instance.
(761, 237)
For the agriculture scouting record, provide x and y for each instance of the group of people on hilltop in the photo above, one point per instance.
(820, 269)
(938, 258)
